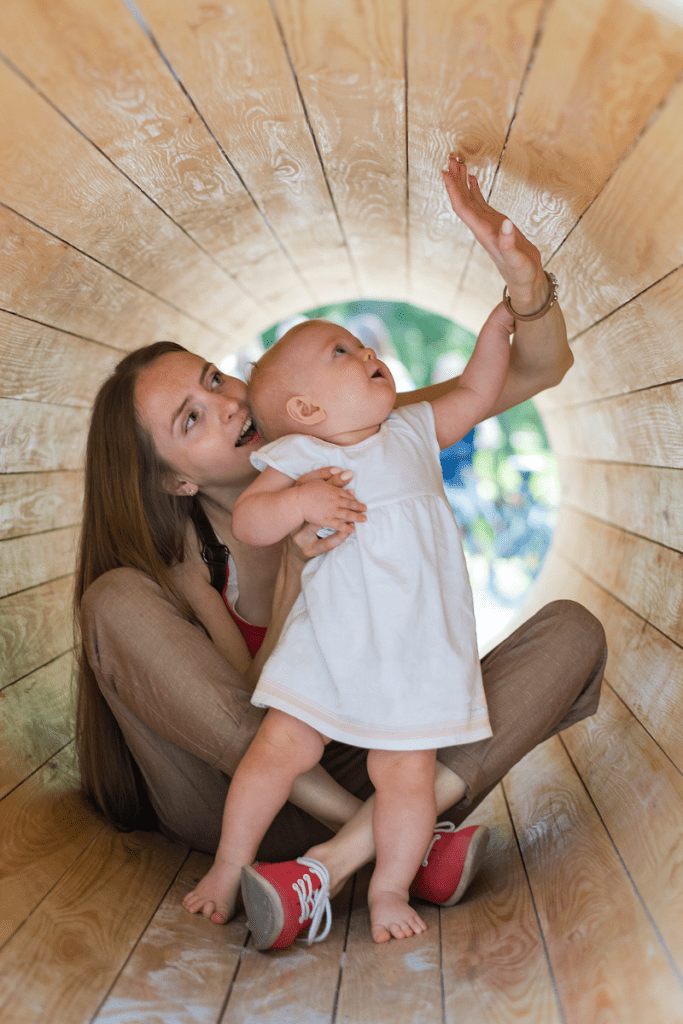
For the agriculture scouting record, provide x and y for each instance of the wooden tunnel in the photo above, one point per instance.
(197, 171)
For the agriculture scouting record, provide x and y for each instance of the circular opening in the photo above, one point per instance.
(500, 479)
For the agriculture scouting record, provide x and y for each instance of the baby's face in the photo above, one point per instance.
(348, 381)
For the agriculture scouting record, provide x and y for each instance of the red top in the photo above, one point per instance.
(253, 635)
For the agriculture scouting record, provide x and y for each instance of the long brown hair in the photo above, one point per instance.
(129, 520)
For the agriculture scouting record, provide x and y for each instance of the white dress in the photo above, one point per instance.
(379, 650)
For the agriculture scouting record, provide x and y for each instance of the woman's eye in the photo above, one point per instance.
(190, 421)
(216, 379)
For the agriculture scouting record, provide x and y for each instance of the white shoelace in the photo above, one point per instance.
(313, 904)
(441, 826)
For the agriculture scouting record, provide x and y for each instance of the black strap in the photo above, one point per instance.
(213, 552)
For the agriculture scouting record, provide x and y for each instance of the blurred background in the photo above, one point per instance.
(500, 479)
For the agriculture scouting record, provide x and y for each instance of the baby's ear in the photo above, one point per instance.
(302, 410)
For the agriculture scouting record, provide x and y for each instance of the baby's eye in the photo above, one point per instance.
(190, 421)
(339, 348)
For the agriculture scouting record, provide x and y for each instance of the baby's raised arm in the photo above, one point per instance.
(272, 507)
(481, 382)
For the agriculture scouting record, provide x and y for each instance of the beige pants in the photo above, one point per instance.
(187, 719)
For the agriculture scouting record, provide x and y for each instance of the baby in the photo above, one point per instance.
(379, 650)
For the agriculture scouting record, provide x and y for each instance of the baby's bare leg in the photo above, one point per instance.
(281, 750)
(403, 823)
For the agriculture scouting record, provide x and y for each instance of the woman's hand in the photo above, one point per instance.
(304, 543)
(518, 261)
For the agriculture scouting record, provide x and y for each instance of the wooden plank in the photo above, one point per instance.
(92, 206)
(643, 427)
(60, 964)
(647, 577)
(236, 51)
(639, 795)
(636, 347)
(615, 492)
(466, 60)
(606, 957)
(393, 980)
(599, 71)
(44, 279)
(348, 59)
(40, 364)
(90, 60)
(28, 561)
(36, 720)
(292, 985)
(644, 666)
(619, 247)
(494, 964)
(182, 967)
(35, 627)
(32, 502)
(35, 436)
(45, 825)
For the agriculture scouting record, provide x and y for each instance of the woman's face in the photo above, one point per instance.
(199, 420)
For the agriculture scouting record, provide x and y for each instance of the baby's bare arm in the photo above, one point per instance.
(272, 507)
(480, 383)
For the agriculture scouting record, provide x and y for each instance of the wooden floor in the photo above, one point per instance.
(574, 918)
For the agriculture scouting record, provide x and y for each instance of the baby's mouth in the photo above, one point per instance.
(247, 432)
(377, 373)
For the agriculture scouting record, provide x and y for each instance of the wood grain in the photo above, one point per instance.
(103, 72)
(28, 561)
(636, 347)
(647, 577)
(607, 959)
(494, 965)
(600, 70)
(613, 492)
(236, 51)
(35, 436)
(392, 980)
(36, 720)
(35, 627)
(183, 965)
(644, 666)
(34, 502)
(639, 795)
(93, 207)
(76, 941)
(348, 60)
(643, 427)
(292, 985)
(45, 825)
(621, 246)
(44, 279)
(466, 60)
(40, 364)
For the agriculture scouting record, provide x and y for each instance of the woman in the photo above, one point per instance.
(166, 671)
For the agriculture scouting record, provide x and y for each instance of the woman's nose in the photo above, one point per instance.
(227, 406)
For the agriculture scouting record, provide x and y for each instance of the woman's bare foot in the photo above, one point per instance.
(391, 916)
(215, 896)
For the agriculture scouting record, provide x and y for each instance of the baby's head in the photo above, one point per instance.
(318, 379)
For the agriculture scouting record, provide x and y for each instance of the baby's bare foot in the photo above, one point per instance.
(215, 896)
(392, 916)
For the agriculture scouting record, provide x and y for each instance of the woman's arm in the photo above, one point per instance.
(540, 355)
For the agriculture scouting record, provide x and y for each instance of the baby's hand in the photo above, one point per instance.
(324, 504)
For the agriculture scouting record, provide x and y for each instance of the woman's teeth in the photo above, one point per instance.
(246, 433)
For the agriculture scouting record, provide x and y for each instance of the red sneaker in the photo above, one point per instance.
(450, 863)
(282, 899)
